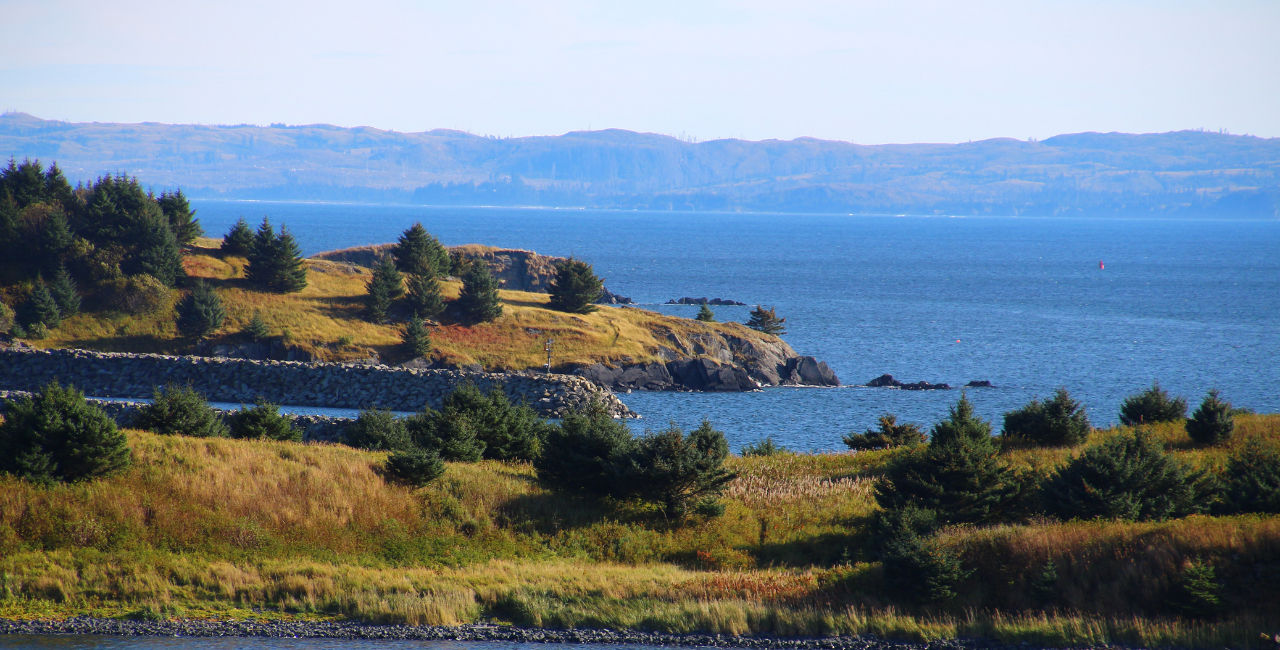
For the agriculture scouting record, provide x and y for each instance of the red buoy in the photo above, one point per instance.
(1101, 265)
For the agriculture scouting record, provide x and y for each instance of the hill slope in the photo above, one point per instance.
(1179, 173)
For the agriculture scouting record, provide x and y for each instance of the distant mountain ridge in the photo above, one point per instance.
(1183, 173)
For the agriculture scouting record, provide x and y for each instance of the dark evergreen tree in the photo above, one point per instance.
(65, 293)
(503, 431)
(1127, 477)
(583, 453)
(575, 288)
(200, 312)
(414, 467)
(416, 342)
(921, 569)
(706, 315)
(177, 211)
(767, 321)
(57, 436)
(418, 253)
(261, 269)
(451, 438)
(41, 308)
(1061, 421)
(55, 240)
(382, 290)
(180, 410)
(888, 435)
(239, 240)
(424, 296)
(257, 328)
(158, 253)
(1151, 406)
(478, 302)
(1251, 482)
(291, 270)
(959, 475)
(1212, 422)
(262, 420)
(1196, 593)
(673, 471)
(766, 447)
(378, 430)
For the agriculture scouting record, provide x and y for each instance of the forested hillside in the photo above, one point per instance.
(1186, 173)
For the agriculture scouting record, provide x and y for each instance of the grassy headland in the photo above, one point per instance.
(232, 528)
(326, 320)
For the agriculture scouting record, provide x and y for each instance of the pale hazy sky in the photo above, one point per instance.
(869, 72)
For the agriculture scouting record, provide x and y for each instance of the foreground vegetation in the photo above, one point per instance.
(224, 527)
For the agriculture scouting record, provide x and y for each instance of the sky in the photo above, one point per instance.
(866, 72)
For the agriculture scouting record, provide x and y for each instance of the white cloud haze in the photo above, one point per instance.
(869, 72)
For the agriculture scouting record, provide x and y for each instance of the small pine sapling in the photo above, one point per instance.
(1212, 423)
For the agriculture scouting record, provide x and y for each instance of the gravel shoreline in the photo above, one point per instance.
(475, 632)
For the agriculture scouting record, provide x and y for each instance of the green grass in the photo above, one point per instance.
(221, 528)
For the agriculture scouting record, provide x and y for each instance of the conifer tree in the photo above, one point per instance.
(424, 296)
(706, 315)
(382, 290)
(158, 252)
(180, 410)
(239, 240)
(177, 210)
(262, 255)
(416, 341)
(291, 271)
(961, 423)
(419, 253)
(575, 288)
(41, 308)
(65, 293)
(1212, 422)
(1151, 406)
(257, 328)
(55, 239)
(56, 435)
(767, 321)
(1251, 482)
(200, 313)
(478, 302)
(1061, 421)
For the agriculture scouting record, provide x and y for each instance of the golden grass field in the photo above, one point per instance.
(219, 527)
(326, 320)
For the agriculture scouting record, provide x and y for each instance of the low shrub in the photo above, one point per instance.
(1127, 477)
(136, 294)
(262, 420)
(764, 447)
(1058, 422)
(415, 467)
(6, 317)
(1251, 482)
(1212, 422)
(56, 436)
(180, 410)
(888, 435)
(1151, 406)
(377, 429)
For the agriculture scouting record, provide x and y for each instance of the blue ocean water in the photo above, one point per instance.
(1019, 302)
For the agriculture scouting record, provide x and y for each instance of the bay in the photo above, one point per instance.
(1019, 302)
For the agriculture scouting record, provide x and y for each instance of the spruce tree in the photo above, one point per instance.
(257, 328)
(55, 239)
(65, 293)
(158, 253)
(418, 253)
(416, 341)
(41, 308)
(200, 312)
(262, 420)
(239, 240)
(378, 430)
(382, 290)
(961, 423)
(290, 269)
(1061, 421)
(478, 302)
(1212, 422)
(888, 435)
(414, 467)
(262, 257)
(424, 296)
(180, 410)
(575, 288)
(767, 321)
(673, 471)
(706, 315)
(1151, 406)
(1251, 482)
(56, 435)
(177, 210)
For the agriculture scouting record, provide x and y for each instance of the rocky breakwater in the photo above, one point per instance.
(337, 385)
(729, 358)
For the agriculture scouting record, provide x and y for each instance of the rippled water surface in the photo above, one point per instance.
(1019, 302)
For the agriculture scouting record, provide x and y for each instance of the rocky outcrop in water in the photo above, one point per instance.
(338, 385)
(703, 301)
(887, 381)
